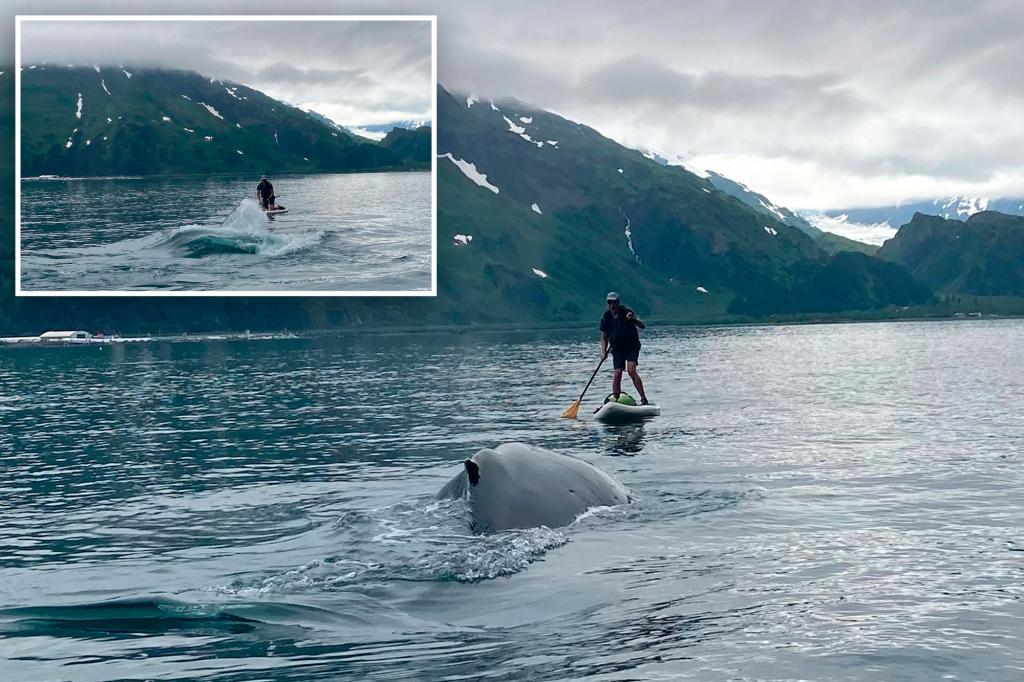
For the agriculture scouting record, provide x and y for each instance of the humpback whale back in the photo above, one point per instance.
(521, 486)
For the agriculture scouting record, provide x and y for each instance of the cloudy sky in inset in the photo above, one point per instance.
(355, 72)
(816, 104)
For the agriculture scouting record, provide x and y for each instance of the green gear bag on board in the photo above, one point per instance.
(624, 399)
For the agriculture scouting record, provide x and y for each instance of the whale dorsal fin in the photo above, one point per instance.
(473, 471)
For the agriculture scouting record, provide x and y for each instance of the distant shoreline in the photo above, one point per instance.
(161, 176)
(504, 328)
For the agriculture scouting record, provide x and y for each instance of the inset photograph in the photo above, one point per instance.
(242, 155)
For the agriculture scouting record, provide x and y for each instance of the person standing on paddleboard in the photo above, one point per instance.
(265, 194)
(620, 333)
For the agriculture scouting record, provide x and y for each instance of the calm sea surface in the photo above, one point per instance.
(353, 232)
(838, 502)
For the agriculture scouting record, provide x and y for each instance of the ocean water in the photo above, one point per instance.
(342, 232)
(826, 502)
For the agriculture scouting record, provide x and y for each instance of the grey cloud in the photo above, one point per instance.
(636, 79)
(334, 77)
(865, 87)
(361, 68)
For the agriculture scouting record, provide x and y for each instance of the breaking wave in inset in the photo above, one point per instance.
(246, 230)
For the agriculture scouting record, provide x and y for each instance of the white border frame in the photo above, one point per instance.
(18, 291)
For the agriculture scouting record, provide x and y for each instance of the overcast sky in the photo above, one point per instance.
(355, 72)
(816, 104)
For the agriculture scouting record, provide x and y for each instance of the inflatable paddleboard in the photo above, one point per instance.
(616, 413)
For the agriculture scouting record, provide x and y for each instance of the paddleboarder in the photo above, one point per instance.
(265, 194)
(620, 333)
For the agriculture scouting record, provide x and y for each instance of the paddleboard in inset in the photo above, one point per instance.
(617, 413)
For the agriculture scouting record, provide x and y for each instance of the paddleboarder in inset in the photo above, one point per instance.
(620, 333)
(265, 194)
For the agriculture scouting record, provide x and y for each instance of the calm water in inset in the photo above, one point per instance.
(817, 502)
(342, 232)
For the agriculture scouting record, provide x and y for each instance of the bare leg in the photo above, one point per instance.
(635, 376)
(617, 382)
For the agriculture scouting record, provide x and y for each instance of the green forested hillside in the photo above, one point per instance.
(563, 215)
(983, 255)
(108, 121)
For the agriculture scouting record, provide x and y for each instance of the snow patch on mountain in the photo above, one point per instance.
(536, 209)
(78, 114)
(771, 230)
(469, 170)
(462, 239)
(540, 273)
(966, 206)
(526, 119)
(679, 160)
(211, 110)
(520, 131)
(512, 127)
(104, 84)
(126, 73)
(471, 100)
(772, 208)
(629, 240)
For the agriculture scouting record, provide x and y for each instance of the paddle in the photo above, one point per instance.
(573, 410)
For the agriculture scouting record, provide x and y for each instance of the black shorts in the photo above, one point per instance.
(630, 354)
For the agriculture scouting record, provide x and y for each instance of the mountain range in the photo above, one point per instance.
(983, 255)
(953, 208)
(82, 121)
(538, 216)
(558, 213)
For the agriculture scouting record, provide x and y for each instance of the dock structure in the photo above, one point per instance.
(60, 338)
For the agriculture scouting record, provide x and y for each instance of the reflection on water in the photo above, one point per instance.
(625, 440)
(819, 502)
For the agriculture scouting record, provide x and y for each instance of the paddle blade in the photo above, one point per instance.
(572, 410)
